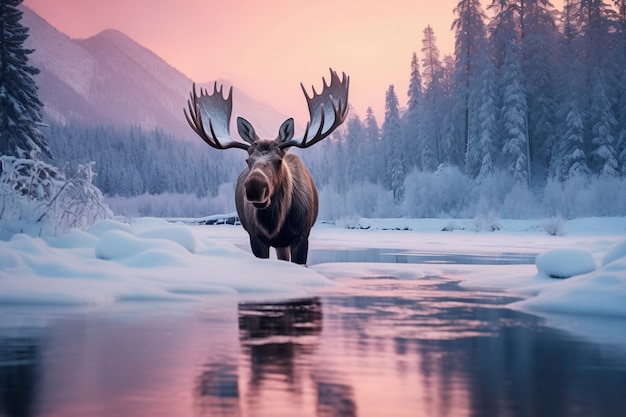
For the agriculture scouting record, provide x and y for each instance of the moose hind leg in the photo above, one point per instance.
(300, 251)
(259, 249)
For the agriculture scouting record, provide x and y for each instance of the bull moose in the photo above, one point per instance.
(275, 196)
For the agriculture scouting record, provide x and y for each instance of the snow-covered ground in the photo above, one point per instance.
(152, 259)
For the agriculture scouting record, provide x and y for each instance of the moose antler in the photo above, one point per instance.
(215, 110)
(327, 111)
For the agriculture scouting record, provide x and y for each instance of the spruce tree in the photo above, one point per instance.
(391, 133)
(411, 118)
(20, 107)
(430, 132)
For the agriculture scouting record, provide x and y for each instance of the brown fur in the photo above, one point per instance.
(286, 222)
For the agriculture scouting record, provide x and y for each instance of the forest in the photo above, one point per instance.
(527, 119)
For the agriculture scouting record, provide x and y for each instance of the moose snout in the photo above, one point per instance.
(257, 190)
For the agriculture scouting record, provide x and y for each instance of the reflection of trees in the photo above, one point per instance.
(217, 389)
(19, 376)
(335, 400)
(472, 352)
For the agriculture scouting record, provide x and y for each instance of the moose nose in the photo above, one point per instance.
(257, 189)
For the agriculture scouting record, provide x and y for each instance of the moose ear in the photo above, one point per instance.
(285, 133)
(246, 131)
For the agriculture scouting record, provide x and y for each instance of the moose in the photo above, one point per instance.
(275, 195)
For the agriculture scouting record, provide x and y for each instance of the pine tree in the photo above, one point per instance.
(539, 37)
(411, 119)
(391, 133)
(476, 88)
(485, 103)
(20, 107)
(603, 155)
(352, 151)
(374, 169)
(469, 30)
(431, 131)
(568, 156)
(514, 108)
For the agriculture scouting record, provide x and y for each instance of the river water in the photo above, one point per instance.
(367, 347)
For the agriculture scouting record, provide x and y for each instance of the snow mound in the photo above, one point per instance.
(119, 245)
(565, 262)
(601, 292)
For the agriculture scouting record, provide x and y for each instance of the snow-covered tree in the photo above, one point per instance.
(373, 164)
(469, 29)
(390, 138)
(353, 147)
(411, 118)
(514, 108)
(475, 88)
(20, 107)
(603, 154)
(431, 130)
(484, 102)
(539, 65)
(569, 158)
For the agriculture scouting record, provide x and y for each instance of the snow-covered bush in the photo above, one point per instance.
(521, 203)
(36, 198)
(175, 204)
(568, 198)
(445, 192)
(554, 225)
(581, 197)
(361, 200)
(490, 192)
(489, 222)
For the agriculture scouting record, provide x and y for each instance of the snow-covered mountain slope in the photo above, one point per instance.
(109, 79)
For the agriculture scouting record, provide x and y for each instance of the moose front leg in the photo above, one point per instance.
(283, 254)
(300, 251)
(259, 249)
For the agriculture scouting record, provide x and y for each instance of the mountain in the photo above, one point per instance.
(109, 79)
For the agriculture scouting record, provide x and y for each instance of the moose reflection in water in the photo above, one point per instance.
(280, 341)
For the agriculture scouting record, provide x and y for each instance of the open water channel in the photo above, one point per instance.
(367, 347)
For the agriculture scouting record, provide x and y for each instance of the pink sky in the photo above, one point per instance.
(268, 47)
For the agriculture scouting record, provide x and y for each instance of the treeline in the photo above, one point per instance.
(134, 162)
(532, 92)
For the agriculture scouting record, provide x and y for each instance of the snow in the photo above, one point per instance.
(147, 260)
(154, 260)
(565, 262)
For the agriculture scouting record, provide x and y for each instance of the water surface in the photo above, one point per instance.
(376, 347)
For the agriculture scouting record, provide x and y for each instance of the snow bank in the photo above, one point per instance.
(601, 292)
(151, 259)
(148, 260)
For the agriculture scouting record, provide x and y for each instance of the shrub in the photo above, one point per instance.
(36, 198)
(554, 225)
